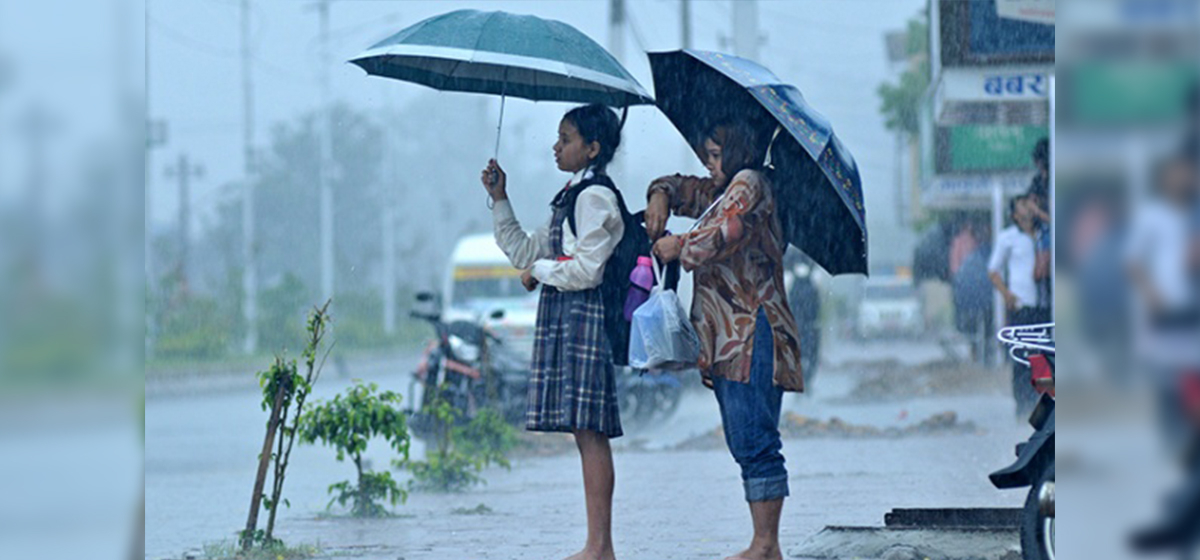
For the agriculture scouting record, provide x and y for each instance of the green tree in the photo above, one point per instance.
(900, 103)
(284, 391)
(287, 199)
(347, 423)
(280, 309)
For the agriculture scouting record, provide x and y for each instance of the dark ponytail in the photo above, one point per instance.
(597, 123)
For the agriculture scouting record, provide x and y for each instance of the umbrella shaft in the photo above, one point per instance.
(499, 125)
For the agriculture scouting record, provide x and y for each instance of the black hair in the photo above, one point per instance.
(741, 148)
(597, 123)
(1012, 206)
(1039, 187)
(1041, 152)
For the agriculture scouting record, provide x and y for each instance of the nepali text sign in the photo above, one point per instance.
(983, 148)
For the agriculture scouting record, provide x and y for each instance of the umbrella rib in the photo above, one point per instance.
(478, 41)
(483, 28)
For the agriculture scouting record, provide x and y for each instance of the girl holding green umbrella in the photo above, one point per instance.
(573, 381)
(573, 386)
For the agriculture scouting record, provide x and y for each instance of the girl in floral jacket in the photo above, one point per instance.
(750, 351)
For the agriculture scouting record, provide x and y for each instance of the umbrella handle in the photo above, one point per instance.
(767, 159)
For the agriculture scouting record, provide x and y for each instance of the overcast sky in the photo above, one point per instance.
(833, 50)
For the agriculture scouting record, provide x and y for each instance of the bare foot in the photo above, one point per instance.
(757, 552)
(587, 554)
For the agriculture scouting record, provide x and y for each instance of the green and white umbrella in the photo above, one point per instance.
(507, 55)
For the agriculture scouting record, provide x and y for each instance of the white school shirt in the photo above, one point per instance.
(600, 229)
(1015, 254)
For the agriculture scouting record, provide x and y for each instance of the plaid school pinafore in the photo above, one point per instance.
(573, 384)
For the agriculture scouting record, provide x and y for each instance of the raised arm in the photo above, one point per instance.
(687, 195)
(725, 230)
(676, 194)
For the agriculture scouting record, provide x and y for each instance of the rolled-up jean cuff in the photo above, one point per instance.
(766, 489)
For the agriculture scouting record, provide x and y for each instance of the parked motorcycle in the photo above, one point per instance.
(647, 396)
(805, 301)
(1178, 526)
(1033, 345)
(469, 368)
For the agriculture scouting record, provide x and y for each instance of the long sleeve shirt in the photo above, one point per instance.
(598, 218)
(736, 253)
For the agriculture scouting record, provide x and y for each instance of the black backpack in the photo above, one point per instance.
(614, 286)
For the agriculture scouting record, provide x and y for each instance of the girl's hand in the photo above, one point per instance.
(657, 211)
(668, 248)
(495, 181)
(529, 281)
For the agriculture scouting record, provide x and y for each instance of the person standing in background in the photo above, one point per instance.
(1038, 199)
(1011, 269)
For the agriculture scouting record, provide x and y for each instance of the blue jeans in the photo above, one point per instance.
(750, 415)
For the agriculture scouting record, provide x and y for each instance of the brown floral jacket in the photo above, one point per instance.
(736, 255)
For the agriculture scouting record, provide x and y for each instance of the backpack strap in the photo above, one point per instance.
(571, 196)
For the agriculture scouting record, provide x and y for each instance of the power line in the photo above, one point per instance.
(271, 68)
(190, 42)
(832, 27)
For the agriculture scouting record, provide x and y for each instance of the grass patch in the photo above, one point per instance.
(480, 509)
(229, 550)
(329, 515)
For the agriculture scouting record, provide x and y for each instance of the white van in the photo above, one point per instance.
(480, 280)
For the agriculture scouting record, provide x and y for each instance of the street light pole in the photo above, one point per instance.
(249, 266)
(326, 161)
(184, 170)
(746, 37)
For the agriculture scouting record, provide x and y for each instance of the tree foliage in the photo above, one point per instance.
(900, 103)
(347, 424)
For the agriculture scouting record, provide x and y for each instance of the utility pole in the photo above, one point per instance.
(126, 300)
(35, 128)
(326, 161)
(249, 265)
(746, 37)
(685, 21)
(616, 45)
(389, 222)
(184, 170)
(687, 156)
(616, 29)
(155, 137)
(148, 234)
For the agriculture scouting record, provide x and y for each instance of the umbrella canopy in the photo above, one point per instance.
(818, 190)
(504, 54)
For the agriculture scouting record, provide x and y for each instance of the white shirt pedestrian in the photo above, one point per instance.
(1015, 256)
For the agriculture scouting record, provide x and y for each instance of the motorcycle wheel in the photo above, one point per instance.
(810, 357)
(629, 402)
(1037, 529)
(668, 400)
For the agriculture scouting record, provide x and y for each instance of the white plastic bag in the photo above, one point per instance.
(661, 336)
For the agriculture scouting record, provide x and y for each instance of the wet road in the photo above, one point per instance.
(201, 447)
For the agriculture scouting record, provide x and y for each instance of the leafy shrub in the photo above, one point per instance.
(461, 452)
(347, 423)
(194, 328)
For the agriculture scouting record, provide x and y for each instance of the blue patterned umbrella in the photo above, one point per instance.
(816, 181)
